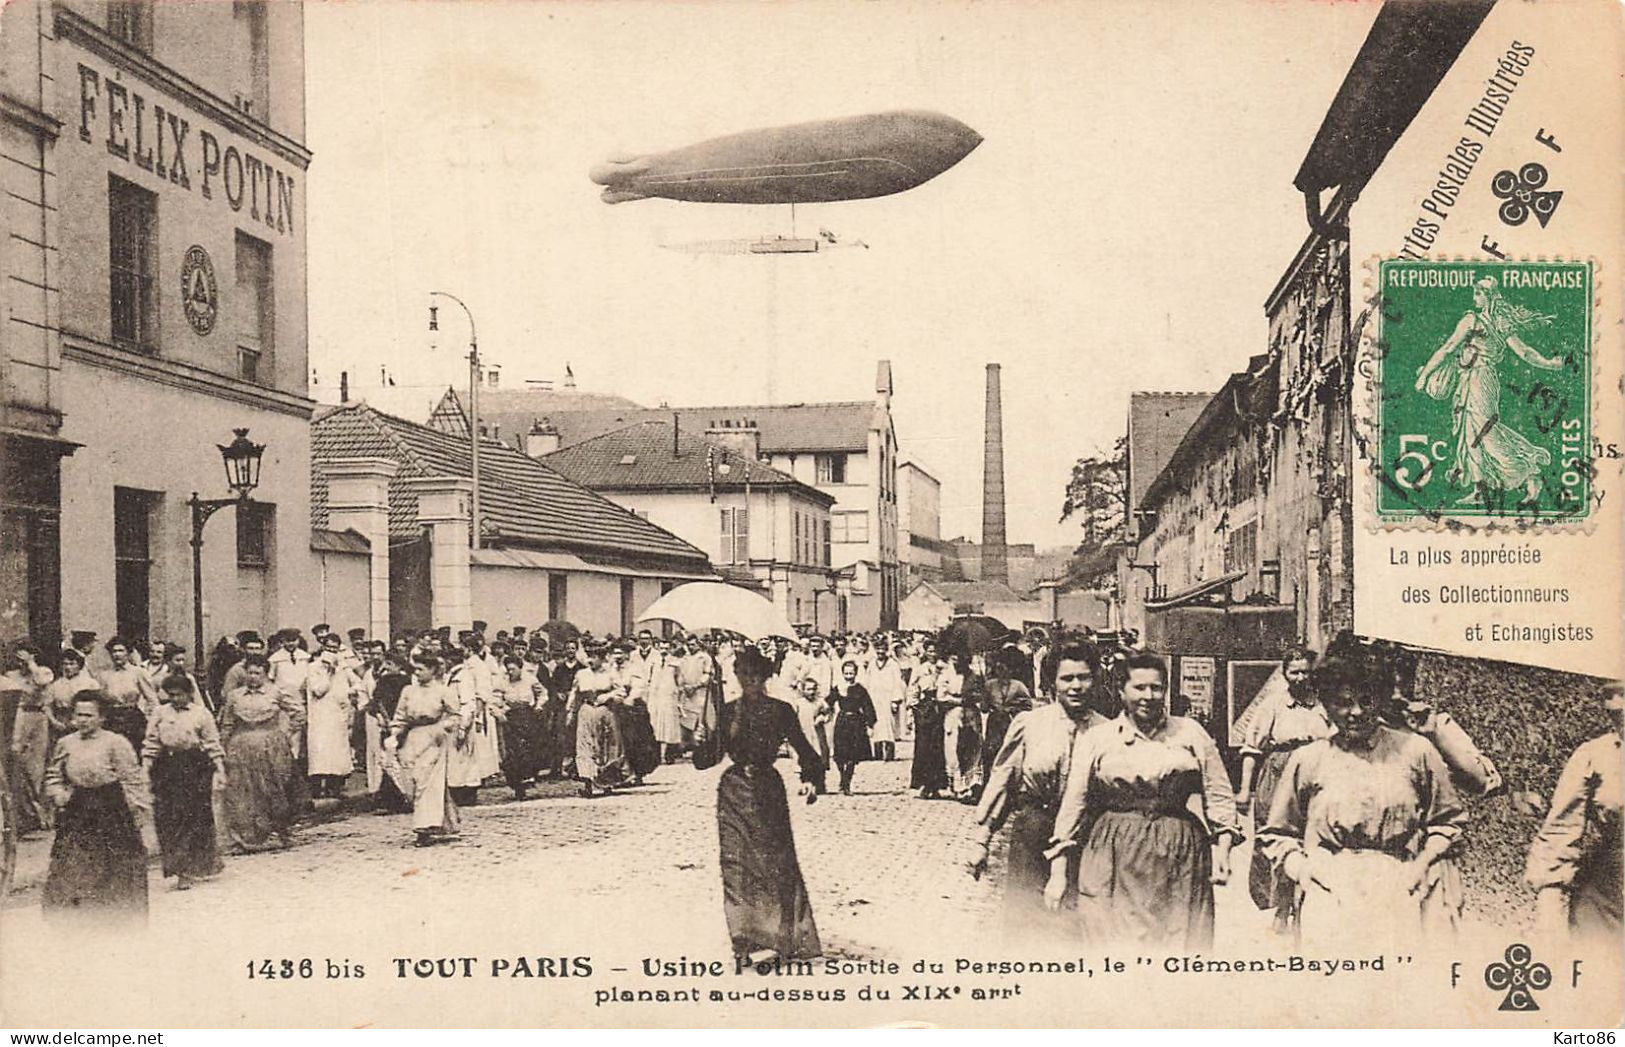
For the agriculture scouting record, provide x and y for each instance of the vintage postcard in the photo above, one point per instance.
(822, 515)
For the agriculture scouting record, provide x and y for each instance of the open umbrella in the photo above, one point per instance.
(716, 605)
(971, 634)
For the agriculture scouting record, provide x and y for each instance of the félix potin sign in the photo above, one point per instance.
(155, 138)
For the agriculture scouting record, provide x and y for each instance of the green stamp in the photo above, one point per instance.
(1484, 391)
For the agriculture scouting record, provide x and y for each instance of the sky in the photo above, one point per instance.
(1118, 229)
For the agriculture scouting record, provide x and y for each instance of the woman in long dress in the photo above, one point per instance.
(600, 752)
(184, 758)
(1360, 820)
(1160, 818)
(30, 740)
(1007, 698)
(429, 720)
(1272, 736)
(333, 695)
(854, 718)
(960, 691)
(518, 695)
(1574, 861)
(98, 862)
(764, 898)
(1024, 790)
(258, 722)
(1466, 371)
(929, 770)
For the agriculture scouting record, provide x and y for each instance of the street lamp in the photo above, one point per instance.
(242, 461)
(473, 405)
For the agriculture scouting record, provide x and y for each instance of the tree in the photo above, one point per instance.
(1097, 494)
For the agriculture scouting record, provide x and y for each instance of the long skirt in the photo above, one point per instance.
(666, 715)
(997, 726)
(475, 758)
(262, 789)
(637, 737)
(31, 744)
(1144, 877)
(556, 741)
(600, 755)
(929, 769)
(962, 743)
(1026, 871)
(98, 866)
(327, 736)
(424, 759)
(524, 744)
(1361, 898)
(1269, 889)
(763, 896)
(852, 739)
(183, 810)
(128, 722)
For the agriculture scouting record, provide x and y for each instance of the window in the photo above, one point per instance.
(131, 21)
(831, 468)
(826, 543)
(254, 533)
(1241, 548)
(735, 530)
(132, 236)
(132, 559)
(558, 597)
(255, 307)
(851, 526)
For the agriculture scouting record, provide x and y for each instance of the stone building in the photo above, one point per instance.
(550, 549)
(154, 224)
(763, 528)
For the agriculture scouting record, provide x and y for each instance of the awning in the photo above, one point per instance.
(1195, 592)
(529, 559)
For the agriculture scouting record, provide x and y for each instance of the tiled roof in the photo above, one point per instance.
(1156, 424)
(786, 428)
(640, 457)
(521, 500)
(351, 542)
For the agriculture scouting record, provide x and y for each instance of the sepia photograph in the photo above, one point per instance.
(636, 515)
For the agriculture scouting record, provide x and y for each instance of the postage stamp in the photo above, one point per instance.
(1483, 391)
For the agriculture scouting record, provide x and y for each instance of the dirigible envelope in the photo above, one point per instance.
(850, 158)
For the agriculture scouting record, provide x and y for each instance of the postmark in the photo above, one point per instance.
(1482, 409)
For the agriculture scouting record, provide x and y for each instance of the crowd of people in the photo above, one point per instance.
(1121, 815)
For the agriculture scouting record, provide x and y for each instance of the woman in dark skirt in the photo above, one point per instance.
(524, 740)
(184, 759)
(854, 715)
(763, 896)
(98, 864)
(929, 771)
(263, 787)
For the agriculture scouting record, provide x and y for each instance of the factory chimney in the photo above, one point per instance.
(995, 557)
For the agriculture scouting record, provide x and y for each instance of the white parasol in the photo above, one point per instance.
(717, 605)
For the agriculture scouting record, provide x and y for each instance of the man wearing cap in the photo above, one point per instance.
(249, 642)
(332, 696)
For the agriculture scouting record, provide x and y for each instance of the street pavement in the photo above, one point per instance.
(883, 868)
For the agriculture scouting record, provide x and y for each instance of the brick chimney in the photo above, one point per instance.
(744, 440)
(995, 557)
(543, 438)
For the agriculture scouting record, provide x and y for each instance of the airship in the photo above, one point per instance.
(849, 158)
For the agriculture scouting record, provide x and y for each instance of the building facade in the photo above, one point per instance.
(762, 528)
(155, 259)
(919, 525)
(550, 549)
(846, 449)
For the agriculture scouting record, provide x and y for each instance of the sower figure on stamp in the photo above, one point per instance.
(1466, 370)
